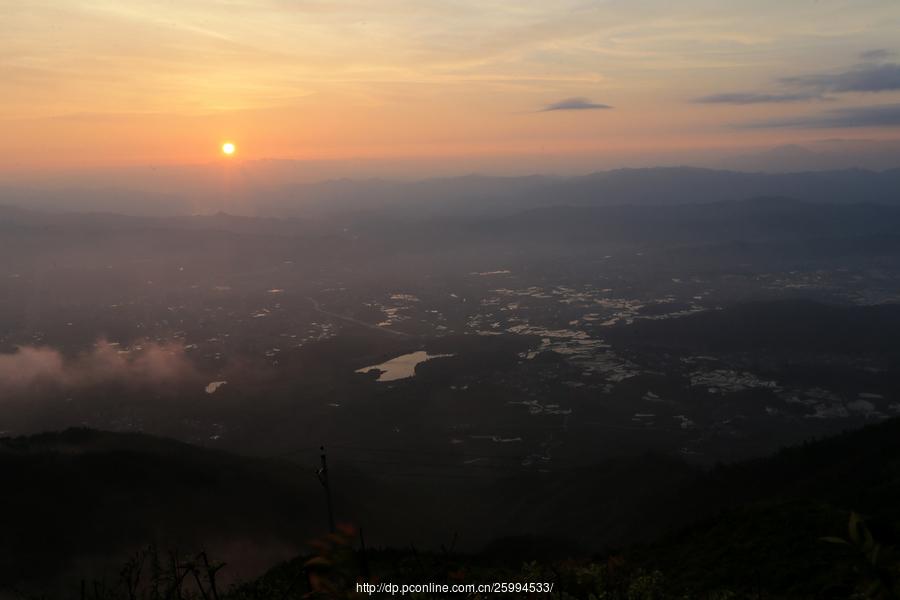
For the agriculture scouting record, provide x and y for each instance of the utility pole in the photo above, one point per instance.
(322, 474)
(364, 560)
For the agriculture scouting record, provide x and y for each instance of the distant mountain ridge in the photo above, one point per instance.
(475, 194)
(758, 219)
(654, 186)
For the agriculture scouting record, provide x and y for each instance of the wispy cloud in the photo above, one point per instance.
(876, 54)
(881, 115)
(870, 76)
(575, 104)
(757, 98)
(862, 78)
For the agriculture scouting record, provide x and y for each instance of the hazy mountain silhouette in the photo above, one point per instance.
(473, 194)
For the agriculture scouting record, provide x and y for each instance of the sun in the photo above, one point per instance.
(228, 148)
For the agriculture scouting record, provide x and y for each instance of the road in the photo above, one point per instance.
(318, 308)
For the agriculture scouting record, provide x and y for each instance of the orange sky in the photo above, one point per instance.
(106, 83)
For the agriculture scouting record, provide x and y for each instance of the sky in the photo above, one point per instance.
(88, 84)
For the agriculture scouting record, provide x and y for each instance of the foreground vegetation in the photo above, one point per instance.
(858, 567)
(775, 528)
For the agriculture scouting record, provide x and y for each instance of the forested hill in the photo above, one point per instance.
(768, 513)
(764, 536)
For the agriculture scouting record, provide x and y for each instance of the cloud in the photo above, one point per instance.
(881, 115)
(574, 104)
(871, 76)
(862, 78)
(40, 365)
(757, 98)
(876, 55)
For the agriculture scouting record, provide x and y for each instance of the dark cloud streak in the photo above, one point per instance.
(876, 54)
(862, 78)
(881, 115)
(575, 104)
(756, 98)
(872, 76)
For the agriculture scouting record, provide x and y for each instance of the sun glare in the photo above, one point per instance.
(228, 148)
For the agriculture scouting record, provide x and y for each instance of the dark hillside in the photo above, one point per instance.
(94, 494)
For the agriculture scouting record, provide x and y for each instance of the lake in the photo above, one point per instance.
(401, 367)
